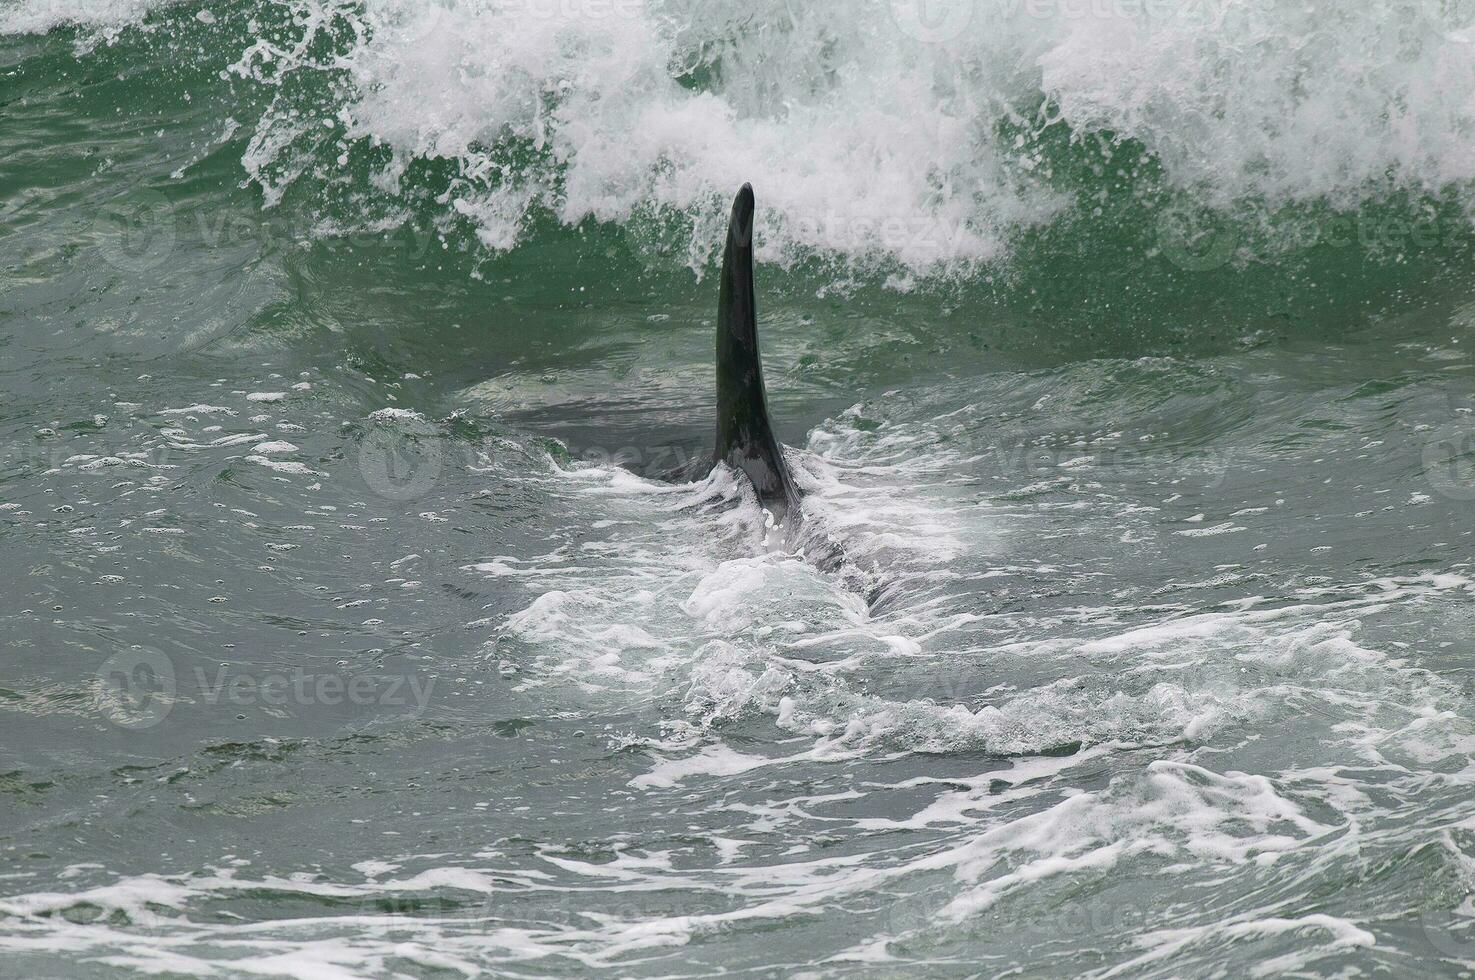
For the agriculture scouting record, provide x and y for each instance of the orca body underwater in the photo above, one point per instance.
(745, 439)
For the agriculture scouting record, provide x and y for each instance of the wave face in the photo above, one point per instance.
(919, 136)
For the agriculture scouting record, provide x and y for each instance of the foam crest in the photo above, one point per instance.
(1280, 101)
(881, 135)
(884, 134)
(99, 19)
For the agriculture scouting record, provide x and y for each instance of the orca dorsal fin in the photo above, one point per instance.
(745, 439)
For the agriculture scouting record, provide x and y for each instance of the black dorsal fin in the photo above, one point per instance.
(745, 439)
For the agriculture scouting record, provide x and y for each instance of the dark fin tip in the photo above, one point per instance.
(740, 229)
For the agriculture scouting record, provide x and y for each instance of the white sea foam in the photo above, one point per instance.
(872, 135)
(102, 19)
(276, 446)
(875, 131)
(396, 415)
(1158, 790)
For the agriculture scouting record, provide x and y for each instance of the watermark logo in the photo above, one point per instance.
(136, 235)
(944, 686)
(402, 462)
(1208, 470)
(933, 21)
(412, 24)
(1196, 239)
(135, 688)
(1449, 932)
(1449, 461)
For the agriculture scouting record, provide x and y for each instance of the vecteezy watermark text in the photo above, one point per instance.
(1201, 239)
(300, 687)
(139, 234)
(137, 688)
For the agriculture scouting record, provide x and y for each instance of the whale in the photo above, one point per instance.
(744, 439)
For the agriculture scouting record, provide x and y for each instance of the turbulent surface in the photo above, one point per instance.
(350, 628)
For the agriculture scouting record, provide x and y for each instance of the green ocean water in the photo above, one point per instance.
(351, 628)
